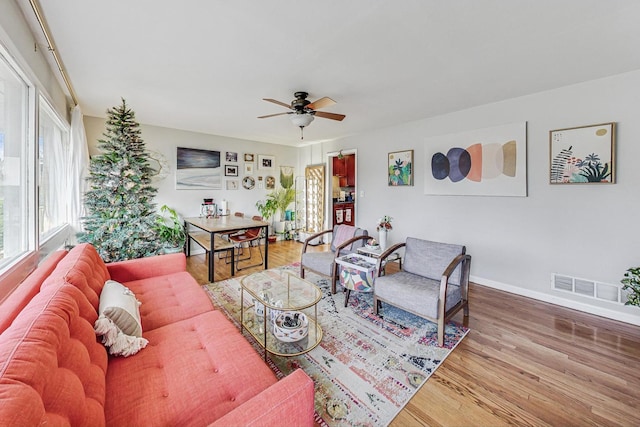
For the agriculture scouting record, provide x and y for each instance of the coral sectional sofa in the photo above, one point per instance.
(197, 369)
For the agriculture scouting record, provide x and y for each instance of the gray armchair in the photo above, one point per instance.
(324, 263)
(433, 282)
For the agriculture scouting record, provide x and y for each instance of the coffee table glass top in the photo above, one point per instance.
(270, 286)
(276, 292)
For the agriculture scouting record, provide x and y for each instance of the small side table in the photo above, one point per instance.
(375, 253)
(357, 273)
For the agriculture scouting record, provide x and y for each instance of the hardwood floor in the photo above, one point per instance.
(524, 362)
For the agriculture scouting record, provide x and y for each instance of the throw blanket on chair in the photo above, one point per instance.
(344, 233)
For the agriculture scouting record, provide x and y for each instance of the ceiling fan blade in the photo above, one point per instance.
(277, 102)
(321, 103)
(332, 116)
(272, 115)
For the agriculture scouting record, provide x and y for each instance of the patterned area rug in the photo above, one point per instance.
(366, 368)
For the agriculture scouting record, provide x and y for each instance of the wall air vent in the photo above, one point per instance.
(588, 288)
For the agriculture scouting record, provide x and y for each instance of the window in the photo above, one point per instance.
(53, 149)
(14, 191)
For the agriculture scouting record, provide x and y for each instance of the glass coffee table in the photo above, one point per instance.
(283, 317)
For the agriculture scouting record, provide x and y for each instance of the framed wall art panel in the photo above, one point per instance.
(483, 162)
(583, 155)
(400, 168)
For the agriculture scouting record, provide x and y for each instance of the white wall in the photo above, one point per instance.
(187, 202)
(588, 231)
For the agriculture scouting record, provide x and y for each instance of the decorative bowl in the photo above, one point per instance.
(291, 326)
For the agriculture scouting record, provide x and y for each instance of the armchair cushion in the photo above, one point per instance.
(415, 293)
(429, 259)
(320, 262)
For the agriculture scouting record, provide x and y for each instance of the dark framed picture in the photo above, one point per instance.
(266, 162)
(231, 156)
(230, 170)
(248, 157)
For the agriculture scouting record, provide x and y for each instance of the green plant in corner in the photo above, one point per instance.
(282, 197)
(631, 283)
(170, 229)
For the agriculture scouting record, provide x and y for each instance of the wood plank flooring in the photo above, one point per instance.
(523, 363)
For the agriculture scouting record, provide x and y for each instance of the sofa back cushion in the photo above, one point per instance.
(84, 269)
(25, 291)
(52, 369)
(429, 259)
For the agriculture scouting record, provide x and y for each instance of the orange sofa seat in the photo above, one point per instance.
(196, 370)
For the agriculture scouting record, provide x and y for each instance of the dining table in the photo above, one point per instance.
(221, 225)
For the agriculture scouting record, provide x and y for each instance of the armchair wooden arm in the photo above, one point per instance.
(349, 242)
(464, 284)
(384, 255)
(314, 236)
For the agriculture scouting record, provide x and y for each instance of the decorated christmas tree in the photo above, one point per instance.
(120, 209)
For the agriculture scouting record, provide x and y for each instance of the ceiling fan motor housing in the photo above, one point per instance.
(300, 102)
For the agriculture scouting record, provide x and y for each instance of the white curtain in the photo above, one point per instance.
(79, 168)
(52, 172)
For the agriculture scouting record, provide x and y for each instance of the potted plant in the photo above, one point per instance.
(631, 283)
(170, 230)
(282, 197)
(267, 209)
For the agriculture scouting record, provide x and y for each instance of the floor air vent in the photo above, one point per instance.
(588, 288)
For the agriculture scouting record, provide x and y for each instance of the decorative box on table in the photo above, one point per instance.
(357, 272)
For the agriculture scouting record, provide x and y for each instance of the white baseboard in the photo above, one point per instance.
(563, 302)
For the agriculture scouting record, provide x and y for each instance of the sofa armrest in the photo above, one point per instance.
(289, 402)
(144, 268)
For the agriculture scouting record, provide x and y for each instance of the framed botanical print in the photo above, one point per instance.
(400, 168)
(582, 155)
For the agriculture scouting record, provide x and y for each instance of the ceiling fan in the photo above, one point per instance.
(304, 111)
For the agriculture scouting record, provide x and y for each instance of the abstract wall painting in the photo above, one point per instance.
(400, 168)
(483, 162)
(197, 169)
(583, 155)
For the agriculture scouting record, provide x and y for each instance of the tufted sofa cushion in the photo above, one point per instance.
(84, 269)
(52, 369)
(192, 372)
(167, 299)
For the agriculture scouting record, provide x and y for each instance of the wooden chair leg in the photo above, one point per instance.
(346, 296)
(376, 304)
(441, 332)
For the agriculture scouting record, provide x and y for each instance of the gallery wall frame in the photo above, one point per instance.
(232, 184)
(249, 157)
(248, 168)
(198, 169)
(583, 155)
(266, 162)
(230, 170)
(400, 168)
(231, 156)
(490, 161)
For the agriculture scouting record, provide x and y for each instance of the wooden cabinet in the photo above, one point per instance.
(343, 213)
(350, 170)
(345, 169)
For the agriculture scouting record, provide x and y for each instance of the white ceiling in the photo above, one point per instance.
(205, 65)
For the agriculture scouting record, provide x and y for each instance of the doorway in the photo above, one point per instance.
(342, 191)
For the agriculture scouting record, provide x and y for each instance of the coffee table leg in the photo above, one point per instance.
(265, 334)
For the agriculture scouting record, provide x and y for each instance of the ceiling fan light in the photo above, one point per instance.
(301, 120)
